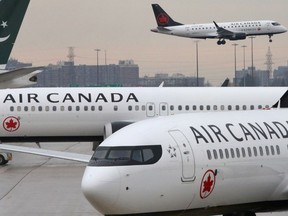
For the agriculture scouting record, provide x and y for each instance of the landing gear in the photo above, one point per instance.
(221, 42)
(270, 40)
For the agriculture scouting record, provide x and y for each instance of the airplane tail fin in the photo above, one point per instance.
(282, 102)
(162, 18)
(12, 13)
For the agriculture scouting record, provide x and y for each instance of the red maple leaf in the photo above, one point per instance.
(11, 124)
(163, 19)
(207, 185)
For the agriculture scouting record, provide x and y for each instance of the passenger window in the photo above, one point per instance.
(93, 108)
(226, 153)
(100, 108)
(54, 108)
(25, 108)
(194, 107)
(237, 107)
(221, 154)
(179, 107)
(47, 108)
(40, 108)
(243, 152)
(208, 107)
(130, 108)
(187, 108)
(143, 108)
(244, 107)
(252, 107)
(277, 149)
(272, 150)
(232, 153)
(85, 108)
(229, 107)
(222, 107)
(209, 155)
(19, 108)
(77, 108)
(11, 108)
(33, 108)
(259, 106)
(261, 150)
(249, 152)
(201, 107)
(137, 108)
(69, 108)
(215, 107)
(116, 108)
(255, 151)
(238, 153)
(215, 154)
(62, 108)
(267, 150)
(171, 107)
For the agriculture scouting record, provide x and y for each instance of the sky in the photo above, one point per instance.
(122, 30)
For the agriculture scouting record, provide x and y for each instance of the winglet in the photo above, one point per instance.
(12, 13)
(216, 24)
(162, 18)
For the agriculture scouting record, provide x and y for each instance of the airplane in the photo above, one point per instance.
(92, 114)
(225, 163)
(221, 31)
(12, 13)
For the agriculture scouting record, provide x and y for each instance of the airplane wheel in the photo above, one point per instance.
(219, 42)
(270, 40)
(223, 42)
(2, 160)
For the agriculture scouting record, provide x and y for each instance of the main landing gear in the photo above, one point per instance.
(270, 40)
(221, 42)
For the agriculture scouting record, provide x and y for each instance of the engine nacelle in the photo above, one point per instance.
(112, 127)
(238, 36)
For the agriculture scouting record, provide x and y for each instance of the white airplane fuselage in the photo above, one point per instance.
(193, 164)
(209, 30)
(67, 114)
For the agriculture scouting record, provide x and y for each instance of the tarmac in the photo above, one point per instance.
(34, 185)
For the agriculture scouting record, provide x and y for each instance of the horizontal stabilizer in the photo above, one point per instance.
(47, 153)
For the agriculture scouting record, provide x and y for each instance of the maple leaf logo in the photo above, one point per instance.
(207, 184)
(163, 19)
(11, 124)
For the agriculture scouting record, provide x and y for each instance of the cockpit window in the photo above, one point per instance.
(126, 155)
(275, 23)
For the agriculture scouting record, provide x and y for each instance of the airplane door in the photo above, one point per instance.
(187, 156)
(163, 109)
(150, 109)
(268, 26)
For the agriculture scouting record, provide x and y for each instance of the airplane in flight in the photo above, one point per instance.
(12, 13)
(222, 163)
(221, 31)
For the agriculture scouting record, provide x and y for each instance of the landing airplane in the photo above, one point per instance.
(221, 31)
(90, 114)
(12, 13)
(228, 163)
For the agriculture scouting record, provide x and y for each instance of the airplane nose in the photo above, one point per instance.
(100, 186)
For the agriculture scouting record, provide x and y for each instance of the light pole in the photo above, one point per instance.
(197, 66)
(235, 83)
(97, 75)
(252, 59)
(244, 66)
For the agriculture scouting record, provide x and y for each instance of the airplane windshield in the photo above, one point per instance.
(276, 24)
(126, 155)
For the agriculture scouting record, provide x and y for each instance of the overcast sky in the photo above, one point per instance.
(122, 28)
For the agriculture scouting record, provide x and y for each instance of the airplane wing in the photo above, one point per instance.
(223, 33)
(47, 153)
(20, 77)
(9, 75)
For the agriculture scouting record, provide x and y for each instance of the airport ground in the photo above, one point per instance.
(33, 185)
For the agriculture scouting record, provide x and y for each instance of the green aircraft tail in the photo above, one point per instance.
(12, 13)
